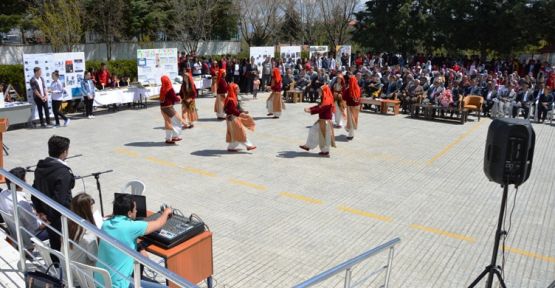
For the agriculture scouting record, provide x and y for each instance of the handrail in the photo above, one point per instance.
(347, 265)
(68, 214)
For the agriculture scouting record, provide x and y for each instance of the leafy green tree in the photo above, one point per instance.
(60, 21)
(225, 21)
(144, 18)
(291, 29)
(105, 17)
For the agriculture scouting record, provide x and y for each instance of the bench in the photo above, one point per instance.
(294, 96)
(429, 111)
(384, 104)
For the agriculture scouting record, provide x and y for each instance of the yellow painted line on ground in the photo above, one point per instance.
(454, 143)
(248, 184)
(199, 171)
(365, 214)
(530, 254)
(443, 233)
(160, 162)
(301, 198)
(127, 152)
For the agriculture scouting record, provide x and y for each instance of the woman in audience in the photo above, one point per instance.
(83, 247)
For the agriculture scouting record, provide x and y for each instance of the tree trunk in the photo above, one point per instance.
(108, 50)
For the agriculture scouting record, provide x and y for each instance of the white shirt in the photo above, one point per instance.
(57, 90)
(39, 81)
(28, 220)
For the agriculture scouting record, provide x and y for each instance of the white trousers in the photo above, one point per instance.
(338, 116)
(234, 145)
(220, 107)
(502, 109)
(351, 132)
(176, 129)
(315, 137)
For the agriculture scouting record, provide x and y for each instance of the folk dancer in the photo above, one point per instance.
(171, 119)
(351, 96)
(220, 97)
(338, 89)
(321, 133)
(274, 102)
(188, 94)
(237, 122)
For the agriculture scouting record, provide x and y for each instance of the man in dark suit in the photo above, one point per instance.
(489, 94)
(523, 100)
(38, 88)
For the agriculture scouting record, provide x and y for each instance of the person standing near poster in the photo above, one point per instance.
(58, 91)
(38, 87)
(87, 88)
(103, 78)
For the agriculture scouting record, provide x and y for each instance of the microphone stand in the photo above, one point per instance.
(28, 168)
(96, 176)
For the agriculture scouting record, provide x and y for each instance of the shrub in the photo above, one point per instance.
(13, 74)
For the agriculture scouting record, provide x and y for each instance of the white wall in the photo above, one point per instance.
(13, 54)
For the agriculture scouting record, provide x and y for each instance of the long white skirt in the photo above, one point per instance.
(315, 137)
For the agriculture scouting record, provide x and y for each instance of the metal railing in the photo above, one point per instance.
(66, 215)
(348, 265)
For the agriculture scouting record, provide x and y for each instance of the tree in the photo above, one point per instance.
(225, 18)
(191, 21)
(13, 15)
(384, 25)
(337, 17)
(105, 17)
(60, 21)
(290, 28)
(259, 20)
(144, 18)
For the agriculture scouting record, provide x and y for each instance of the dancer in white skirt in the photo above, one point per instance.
(321, 133)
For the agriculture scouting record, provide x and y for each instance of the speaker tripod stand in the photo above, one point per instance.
(493, 268)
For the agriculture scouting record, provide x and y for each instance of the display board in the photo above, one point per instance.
(290, 54)
(70, 66)
(260, 54)
(152, 64)
(317, 49)
(343, 50)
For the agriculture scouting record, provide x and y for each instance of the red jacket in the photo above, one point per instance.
(103, 77)
(222, 86)
(324, 112)
(350, 100)
(171, 98)
(231, 109)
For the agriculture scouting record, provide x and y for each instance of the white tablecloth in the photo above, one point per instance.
(127, 95)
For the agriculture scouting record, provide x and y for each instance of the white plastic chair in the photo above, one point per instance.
(9, 219)
(85, 275)
(137, 187)
(45, 253)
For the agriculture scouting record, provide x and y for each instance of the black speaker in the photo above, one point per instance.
(509, 151)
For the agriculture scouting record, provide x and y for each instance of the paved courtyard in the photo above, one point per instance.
(280, 215)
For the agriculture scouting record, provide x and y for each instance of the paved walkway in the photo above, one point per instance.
(280, 215)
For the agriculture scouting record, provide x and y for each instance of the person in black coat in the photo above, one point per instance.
(54, 179)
